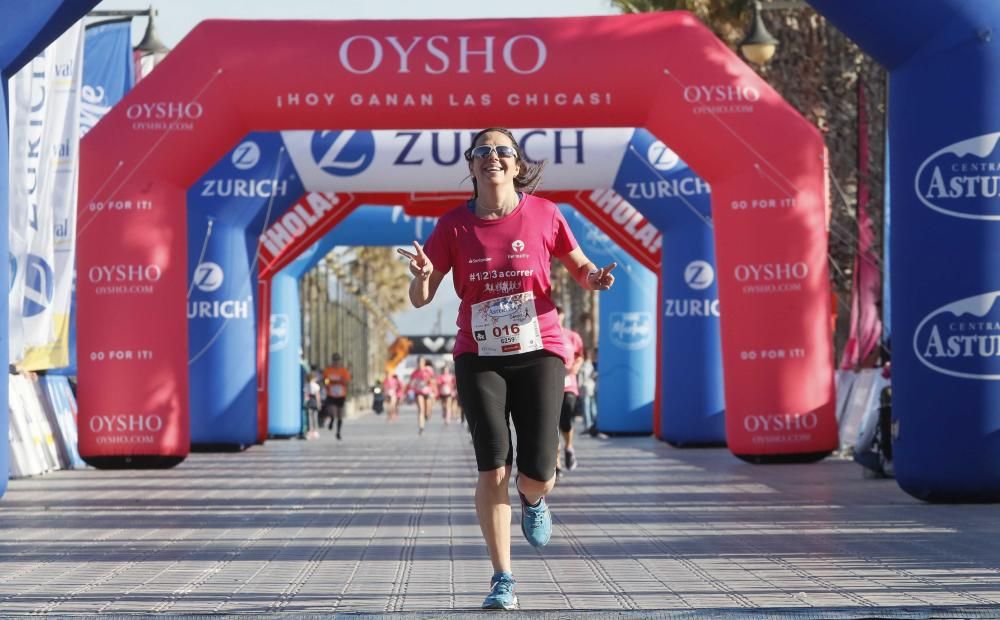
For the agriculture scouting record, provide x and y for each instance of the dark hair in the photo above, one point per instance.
(528, 176)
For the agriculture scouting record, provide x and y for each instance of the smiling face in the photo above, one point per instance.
(493, 170)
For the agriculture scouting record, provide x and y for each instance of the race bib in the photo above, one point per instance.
(337, 391)
(506, 325)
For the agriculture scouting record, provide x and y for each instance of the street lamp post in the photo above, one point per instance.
(150, 50)
(759, 45)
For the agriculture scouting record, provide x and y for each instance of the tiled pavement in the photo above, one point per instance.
(383, 522)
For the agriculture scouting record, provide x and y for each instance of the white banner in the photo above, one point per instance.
(45, 127)
(432, 160)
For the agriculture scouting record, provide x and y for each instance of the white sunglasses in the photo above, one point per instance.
(485, 150)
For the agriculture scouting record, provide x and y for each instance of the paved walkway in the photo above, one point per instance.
(383, 522)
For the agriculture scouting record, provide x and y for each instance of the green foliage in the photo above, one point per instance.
(712, 12)
(727, 18)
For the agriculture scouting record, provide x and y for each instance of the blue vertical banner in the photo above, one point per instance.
(367, 226)
(626, 359)
(228, 208)
(107, 69)
(678, 202)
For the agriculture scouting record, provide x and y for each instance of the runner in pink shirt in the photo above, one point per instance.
(509, 351)
(571, 391)
(393, 390)
(422, 382)
(446, 394)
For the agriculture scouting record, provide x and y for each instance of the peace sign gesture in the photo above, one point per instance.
(601, 279)
(420, 265)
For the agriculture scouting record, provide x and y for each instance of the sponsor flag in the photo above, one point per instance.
(866, 320)
(44, 165)
(107, 69)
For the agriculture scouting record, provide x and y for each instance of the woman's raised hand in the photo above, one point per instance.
(601, 279)
(420, 265)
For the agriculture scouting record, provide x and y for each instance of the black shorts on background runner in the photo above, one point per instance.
(568, 412)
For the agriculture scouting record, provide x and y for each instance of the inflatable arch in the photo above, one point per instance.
(944, 240)
(228, 208)
(254, 181)
(366, 225)
(253, 185)
(764, 162)
(25, 30)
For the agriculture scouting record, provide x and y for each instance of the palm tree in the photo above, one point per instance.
(384, 281)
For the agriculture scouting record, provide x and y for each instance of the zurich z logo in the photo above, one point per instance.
(343, 153)
(39, 285)
(246, 155)
(699, 275)
(208, 276)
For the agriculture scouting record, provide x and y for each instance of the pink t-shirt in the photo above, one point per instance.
(422, 381)
(505, 256)
(574, 344)
(393, 386)
(446, 384)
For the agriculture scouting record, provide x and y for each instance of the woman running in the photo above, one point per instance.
(446, 394)
(509, 351)
(422, 385)
(393, 388)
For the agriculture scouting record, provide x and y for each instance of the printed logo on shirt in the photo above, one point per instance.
(484, 259)
(518, 246)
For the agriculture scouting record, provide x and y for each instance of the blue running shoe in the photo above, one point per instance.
(536, 522)
(501, 593)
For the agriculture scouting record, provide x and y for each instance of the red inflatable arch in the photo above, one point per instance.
(663, 71)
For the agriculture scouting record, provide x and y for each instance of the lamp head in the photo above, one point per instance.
(759, 45)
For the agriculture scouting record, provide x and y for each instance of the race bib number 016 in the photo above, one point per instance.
(506, 325)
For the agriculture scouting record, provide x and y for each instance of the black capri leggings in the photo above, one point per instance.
(525, 388)
(568, 411)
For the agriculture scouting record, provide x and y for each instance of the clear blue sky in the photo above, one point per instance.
(177, 17)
